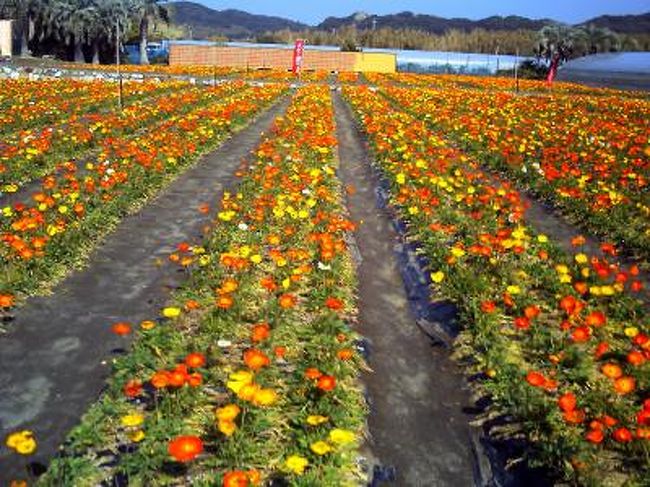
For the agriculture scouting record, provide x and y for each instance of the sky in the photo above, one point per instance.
(313, 12)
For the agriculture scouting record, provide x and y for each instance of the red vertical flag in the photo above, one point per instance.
(553, 71)
(298, 51)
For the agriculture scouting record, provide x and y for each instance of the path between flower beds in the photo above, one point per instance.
(55, 358)
(417, 395)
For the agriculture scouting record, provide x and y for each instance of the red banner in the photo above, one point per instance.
(553, 71)
(298, 51)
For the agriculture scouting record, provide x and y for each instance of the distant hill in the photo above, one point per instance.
(235, 24)
(204, 22)
(431, 23)
(624, 24)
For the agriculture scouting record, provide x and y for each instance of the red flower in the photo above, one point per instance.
(596, 318)
(622, 435)
(185, 448)
(595, 436)
(522, 323)
(535, 379)
(334, 304)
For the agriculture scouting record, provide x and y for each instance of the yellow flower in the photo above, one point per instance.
(401, 178)
(256, 259)
(171, 312)
(132, 420)
(228, 428)
(341, 437)
(239, 379)
(320, 448)
(512, 289)
(581, 258)
(226, 215)
(541, 238)
(297, 464)
(22, 441)
(607, 290)
(316, 419)
(265, 397)
(228, 413)
(437, 277)
(136, 436)
(457, 252)
(562, 269)
(631, 331)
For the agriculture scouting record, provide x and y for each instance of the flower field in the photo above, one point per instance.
(50, 228)
(252, 369)
(589, 157)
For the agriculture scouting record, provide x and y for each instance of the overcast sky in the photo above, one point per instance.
(313, 12)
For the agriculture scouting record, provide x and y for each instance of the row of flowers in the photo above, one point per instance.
(250, 375)
(589, 155)
(33, 153)
(492, 83)
(42, 237)
(561, 341)
(208, 71)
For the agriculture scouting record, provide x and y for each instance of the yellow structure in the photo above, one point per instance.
(377, 62)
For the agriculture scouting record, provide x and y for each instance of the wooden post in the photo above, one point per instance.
(517, 71)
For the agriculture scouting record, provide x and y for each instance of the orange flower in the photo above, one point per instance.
(132, 388)
(578, 240)
(625, 385)
(6, 300)
(326, 383)
(622, 435)
(260, 332)
(280, 351)
(185, 448)
(596, 318)
(581, 334)
(574, 416)
(255, 359)
(611, 370)
(287, 301)
(228, 286)
(345, 354)
(595, 436)
(488, 306)
(160, 379)
(195, 360)
(532, 312)
(121, 328)
(313, 373)
(535, 379)
(236, 478)
(567, 401)
(334, 304)
(635, 358)
(191, 304)
(225, 301)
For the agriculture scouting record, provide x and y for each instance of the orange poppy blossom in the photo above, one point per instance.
(185, 448)
(121, 328)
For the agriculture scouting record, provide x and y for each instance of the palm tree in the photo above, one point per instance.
(557, 43)
(26, 12)
(145, 12)
(600, 39)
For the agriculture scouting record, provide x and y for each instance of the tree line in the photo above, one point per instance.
(584, 40)
(84, 30)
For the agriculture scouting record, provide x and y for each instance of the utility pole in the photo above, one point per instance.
(117, 57)
(517, 70)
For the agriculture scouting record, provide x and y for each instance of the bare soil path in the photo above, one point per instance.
(419, 432)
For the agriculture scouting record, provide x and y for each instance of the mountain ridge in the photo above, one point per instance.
(204, 22)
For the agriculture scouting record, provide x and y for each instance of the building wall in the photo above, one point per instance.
(5, 37)
(277, 58)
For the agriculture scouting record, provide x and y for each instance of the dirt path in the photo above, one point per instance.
(416, 394)
(55, 359)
